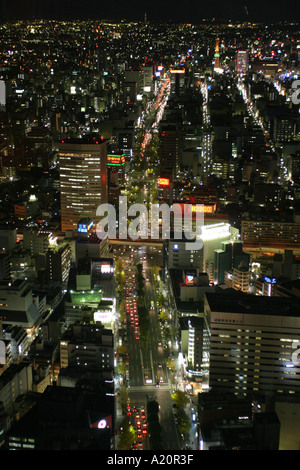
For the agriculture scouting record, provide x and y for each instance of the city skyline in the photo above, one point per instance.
(177, 11)
(149, 228)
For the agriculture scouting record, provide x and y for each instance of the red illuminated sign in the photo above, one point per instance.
(189, 279)
(105, 268)
(164, 182)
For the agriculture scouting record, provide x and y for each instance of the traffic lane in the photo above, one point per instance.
(159, 358)
(170, 433)
(135, 376)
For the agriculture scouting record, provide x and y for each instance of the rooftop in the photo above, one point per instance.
(251, 304)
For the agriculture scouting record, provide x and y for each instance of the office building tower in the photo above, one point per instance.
(2, 95)
(191, 329)
(58, 262)
(241, 62)
(169, 147)
(177, 81)
(213, 237)
(88, 245)
(269, 234)
(83, 179)
(285, 128)
(5, 265)
(293, 167)
(250, 344)
(147, 79)
(227, 258)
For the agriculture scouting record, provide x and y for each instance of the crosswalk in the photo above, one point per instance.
(148, 388)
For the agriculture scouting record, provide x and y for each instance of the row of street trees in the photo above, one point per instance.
(127, 435)
(143, 311)
(122, 351)
(181, 400)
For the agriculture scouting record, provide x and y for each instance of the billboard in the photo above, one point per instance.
(106, 268)
(115, 160)
(180, 71)
(163, 182)
(189, 279)
(206, 208)
(84, 228)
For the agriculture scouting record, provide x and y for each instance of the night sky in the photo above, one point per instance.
(170, 10)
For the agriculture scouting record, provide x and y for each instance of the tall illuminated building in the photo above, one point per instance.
(250, 345)
(217, 67)
(217, 55)
(241, 62)
(83, 179)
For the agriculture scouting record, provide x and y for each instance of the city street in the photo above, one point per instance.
(150, 360)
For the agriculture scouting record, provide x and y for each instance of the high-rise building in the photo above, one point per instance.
(227, 258)
(83, 179)
(293, 166)
(266, 234)
(2, 95)
(241, 62)
(285, 128)
(250, 344)
(169, 146)
(58, 262)
(217, 67)
(191, 328)
(5, 265)
(88, 245)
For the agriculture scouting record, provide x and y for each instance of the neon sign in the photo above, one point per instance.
(83, 228)
(207, 209)
(163, 182)
(105, 268)
(115, 160)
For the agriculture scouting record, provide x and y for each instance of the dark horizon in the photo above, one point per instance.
(176, 11)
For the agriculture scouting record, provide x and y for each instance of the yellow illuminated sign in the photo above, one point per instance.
(203, 208)
(164, 182)
(177, 71)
